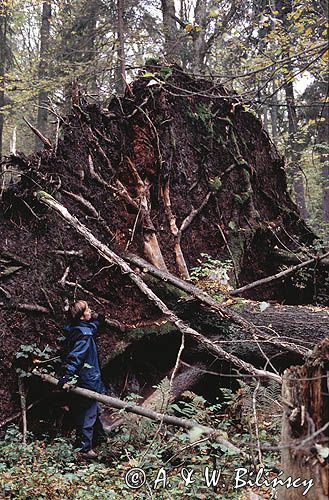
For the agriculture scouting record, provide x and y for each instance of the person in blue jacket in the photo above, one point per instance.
(80, 359)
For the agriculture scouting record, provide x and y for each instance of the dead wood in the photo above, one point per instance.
(145, 412)
(34, 308)
(37, 132)
(159, 399)
(110, 256)
(279, 275)
(305, 436)
(224, 312)
(22, 396)
(17, 415)
(285, 257)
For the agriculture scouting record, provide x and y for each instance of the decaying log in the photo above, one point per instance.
(112, 257)
(305, 428)
(223, 311)
(145, 412)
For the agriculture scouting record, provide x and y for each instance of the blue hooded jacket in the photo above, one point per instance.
(81, 357)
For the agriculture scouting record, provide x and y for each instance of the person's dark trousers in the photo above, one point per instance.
(89, 428)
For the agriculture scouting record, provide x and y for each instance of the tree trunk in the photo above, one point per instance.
(284, 9)
(323, 139)
(121, 49)
(198, 37)
(3, 33)
(171, 48)
(294, 149)
(42, 118)
(305, 426)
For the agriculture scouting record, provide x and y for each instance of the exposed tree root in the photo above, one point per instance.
(112, 257)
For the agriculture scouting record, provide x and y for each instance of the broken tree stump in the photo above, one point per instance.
(305, 427)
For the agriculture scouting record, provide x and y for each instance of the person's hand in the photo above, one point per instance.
(101, 319)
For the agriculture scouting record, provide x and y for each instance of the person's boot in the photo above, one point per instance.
(90, 454)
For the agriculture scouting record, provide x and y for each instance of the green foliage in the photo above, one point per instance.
(51, 470)
(30, 355)
(215, 184)
(242, 198)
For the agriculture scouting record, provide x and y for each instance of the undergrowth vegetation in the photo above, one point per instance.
(169, 462)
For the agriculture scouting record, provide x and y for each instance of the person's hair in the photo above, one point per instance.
(77, 309)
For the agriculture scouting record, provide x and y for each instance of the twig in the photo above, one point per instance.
(62, 281)
(57, 135)
(48, 300)
(254, 408)
(88, 292)
(173, 375)
(18, 414)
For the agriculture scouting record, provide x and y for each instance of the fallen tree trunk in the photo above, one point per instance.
(144, 412)
(214, 305)
(110, 256)
(305, 436)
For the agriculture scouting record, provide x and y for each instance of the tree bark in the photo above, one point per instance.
(198, 36)
(294, 151)
(284, 8)
(42, 119)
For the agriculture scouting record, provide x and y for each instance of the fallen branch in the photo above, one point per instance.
(279, 275)
(144, 412)
(110, 256)
(31, 308)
